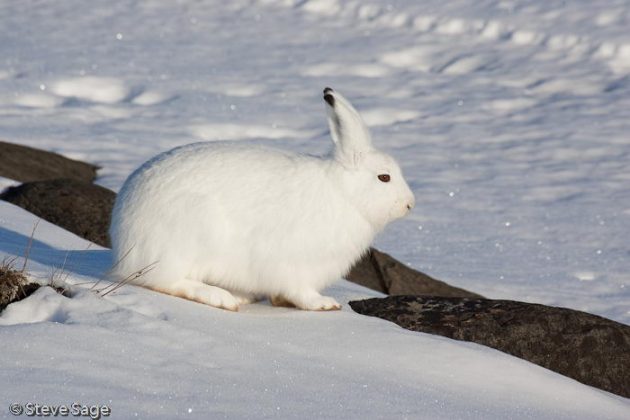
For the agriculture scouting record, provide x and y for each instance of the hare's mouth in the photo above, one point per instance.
(401, 210)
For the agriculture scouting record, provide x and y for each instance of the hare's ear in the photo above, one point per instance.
(347, 129)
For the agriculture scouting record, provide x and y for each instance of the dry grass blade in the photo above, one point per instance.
(59, 277)
(27, 251)
(133, 276)
(113, 266)
(7, 263)
(11, 276)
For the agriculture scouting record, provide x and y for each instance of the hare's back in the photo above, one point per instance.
(232, 179)
(223, 159)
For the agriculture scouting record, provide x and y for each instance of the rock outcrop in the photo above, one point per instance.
(80, 207)
(382, 272)
(582, 346)
(26, 164)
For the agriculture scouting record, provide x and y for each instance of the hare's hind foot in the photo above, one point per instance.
(201, 293)
(309, 301)
(281, 302)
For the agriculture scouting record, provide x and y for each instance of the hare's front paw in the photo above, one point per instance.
(323, 303)
(316, 302)
(219, 298)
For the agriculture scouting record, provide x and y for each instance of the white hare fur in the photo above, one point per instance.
(226, 223)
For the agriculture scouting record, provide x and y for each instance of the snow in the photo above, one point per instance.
(509, 119)
(106, 90)
(158, 356)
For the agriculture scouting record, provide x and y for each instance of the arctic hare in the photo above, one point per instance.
(227, 223)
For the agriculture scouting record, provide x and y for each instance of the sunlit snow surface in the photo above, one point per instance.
(511, 120)
(149, 355)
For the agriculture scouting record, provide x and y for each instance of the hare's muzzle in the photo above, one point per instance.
(411, 203)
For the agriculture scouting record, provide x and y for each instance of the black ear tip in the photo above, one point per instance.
(328, 96)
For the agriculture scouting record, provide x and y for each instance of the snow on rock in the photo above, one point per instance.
(6, 183)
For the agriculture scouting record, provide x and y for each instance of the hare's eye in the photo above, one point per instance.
(384, 177)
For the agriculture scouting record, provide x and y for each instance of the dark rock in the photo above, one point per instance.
(381, 272)
(82, 208)
(582, 346)
(14, 286)
(26, 164)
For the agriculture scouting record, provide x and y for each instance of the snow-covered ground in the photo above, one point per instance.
(149, 355)
(511, 120)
